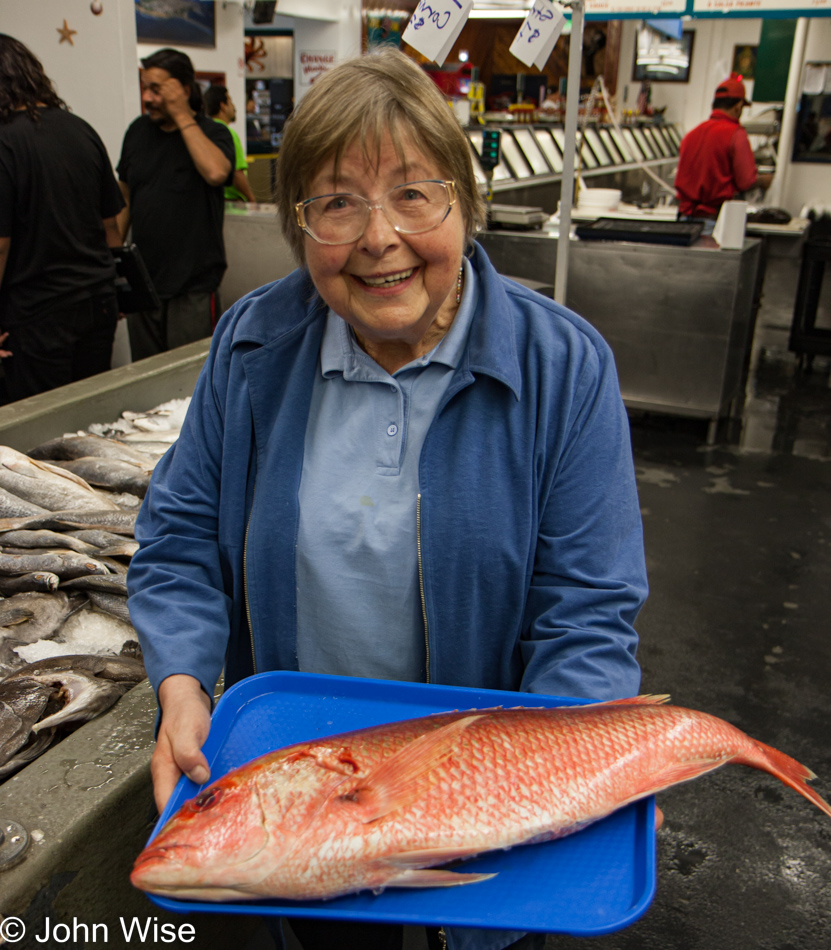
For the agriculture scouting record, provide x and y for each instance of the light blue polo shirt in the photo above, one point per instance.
(358, 600)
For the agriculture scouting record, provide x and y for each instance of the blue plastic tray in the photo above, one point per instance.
(587, 884)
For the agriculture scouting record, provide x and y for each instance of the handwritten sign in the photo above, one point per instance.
(435, 26)
(538, 33)
(313, 63)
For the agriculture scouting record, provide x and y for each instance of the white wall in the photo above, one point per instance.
(228, 57)
(319, 26)
(690, 103)
(95, 75)
(313, 36)
(712, 60)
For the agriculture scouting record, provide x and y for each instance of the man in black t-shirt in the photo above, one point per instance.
(174, 165)
(58, 206)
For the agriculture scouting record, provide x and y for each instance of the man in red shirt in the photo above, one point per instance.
(716, 162)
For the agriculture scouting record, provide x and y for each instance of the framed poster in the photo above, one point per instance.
(744, 61)
(184, 23)
(662, 58)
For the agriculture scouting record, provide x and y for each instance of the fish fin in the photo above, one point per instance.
(787, 770)
(433, 877)
(402, 778)
(645, 699)
(56, 470)
(429, 857)
(679, 772)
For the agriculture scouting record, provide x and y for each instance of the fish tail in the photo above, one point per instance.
(788, 771)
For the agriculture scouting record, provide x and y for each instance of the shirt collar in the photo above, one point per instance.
(718, 114)
(340, 352)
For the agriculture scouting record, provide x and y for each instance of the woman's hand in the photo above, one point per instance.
(186, 721)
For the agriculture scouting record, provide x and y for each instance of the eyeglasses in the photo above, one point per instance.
(412, 208)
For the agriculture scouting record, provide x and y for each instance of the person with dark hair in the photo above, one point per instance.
(174, 165)
(220, 107)
(716, 162)
(58, 207)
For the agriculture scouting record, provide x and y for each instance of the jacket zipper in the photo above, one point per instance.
(245, 580)
(421, 586)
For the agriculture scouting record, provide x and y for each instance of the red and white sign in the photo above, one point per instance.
(314, 63)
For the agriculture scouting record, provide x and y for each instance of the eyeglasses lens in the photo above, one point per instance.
(411, 209)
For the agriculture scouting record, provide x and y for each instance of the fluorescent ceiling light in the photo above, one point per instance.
(500, 9)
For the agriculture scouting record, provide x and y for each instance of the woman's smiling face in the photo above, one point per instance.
(397, 291)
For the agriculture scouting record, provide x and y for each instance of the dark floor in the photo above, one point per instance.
(738, 623)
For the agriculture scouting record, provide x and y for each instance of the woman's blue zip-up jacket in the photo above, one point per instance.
(531, 561)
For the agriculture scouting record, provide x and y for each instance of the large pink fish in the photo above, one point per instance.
(380, 807)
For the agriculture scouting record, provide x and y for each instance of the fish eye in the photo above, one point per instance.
(206, 799)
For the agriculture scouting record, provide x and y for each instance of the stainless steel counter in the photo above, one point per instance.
(679, 320)
(256, 250)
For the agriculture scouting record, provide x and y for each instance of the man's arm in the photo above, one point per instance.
(243, 186)
(208, 158)
(742, 161)
(5, 244)
(211, 164)
(112, 232)
(123, 216)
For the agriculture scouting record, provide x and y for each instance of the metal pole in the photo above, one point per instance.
(786, 133)
(575, 58)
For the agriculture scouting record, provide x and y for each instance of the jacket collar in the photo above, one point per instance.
(276, 315)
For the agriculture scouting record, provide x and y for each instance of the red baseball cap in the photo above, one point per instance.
(732, 88)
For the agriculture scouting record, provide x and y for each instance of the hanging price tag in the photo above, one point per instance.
(435, 26)
(538, 34)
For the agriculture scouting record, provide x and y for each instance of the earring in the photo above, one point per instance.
(459, 283)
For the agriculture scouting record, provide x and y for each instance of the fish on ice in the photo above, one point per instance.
(46, 485)
(40, 615)
(112, 520)
(66, 564)
(68, 448)
(59, 691)
(382, 807)
(113, 474)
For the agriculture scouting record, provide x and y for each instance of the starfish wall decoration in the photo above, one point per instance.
(66, 33)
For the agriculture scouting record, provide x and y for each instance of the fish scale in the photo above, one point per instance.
(384, 806)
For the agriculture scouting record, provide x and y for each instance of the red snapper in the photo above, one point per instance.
(380, 807)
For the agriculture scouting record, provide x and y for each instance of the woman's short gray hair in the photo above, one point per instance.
(359, 101)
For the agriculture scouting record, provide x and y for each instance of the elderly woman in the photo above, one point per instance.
(396, 463)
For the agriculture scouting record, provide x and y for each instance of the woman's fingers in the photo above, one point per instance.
(186, 721)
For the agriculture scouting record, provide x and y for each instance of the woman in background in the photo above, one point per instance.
(58, 205)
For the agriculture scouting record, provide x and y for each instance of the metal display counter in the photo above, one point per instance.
(530, 171)
(256, 250)
(678, 319)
